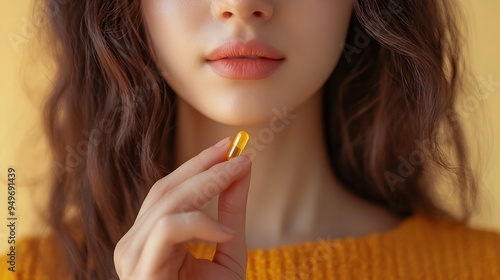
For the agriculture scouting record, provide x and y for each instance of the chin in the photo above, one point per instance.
(242, 117)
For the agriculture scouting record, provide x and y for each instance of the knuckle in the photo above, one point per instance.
(220, 174)
(119, 257)
(201, 158)
(166, 227)
(226, 170)
(160, 187)
(119, 248)
(212, 188)
(190, 218)
(230, 207)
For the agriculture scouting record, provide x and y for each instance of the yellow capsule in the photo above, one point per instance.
(238, 145)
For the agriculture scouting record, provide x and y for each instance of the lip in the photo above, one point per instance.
(251, 60)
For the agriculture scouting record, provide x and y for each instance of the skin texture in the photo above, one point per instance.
(183, 32)
(286, 200)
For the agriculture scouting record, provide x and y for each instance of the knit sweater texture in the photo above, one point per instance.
(420, 247)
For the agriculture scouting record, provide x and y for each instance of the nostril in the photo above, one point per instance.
(258, 14)
(227, 14)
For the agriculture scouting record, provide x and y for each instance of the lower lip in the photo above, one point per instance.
(245, 68)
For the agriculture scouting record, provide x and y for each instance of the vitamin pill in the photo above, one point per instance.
(238, 145)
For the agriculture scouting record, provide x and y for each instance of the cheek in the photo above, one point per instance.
(324, 28)
(316, 38)
(179, 13)
(167, 24)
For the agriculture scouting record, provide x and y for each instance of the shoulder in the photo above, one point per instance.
(447, 247)
(422, 228)
(33, 258)
(429, 234)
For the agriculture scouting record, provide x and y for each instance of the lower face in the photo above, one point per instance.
(308, 35)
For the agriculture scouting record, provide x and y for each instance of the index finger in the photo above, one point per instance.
(201, 162)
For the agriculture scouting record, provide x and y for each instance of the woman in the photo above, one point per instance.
(350, 111)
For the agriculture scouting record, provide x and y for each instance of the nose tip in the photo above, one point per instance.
(246, 10)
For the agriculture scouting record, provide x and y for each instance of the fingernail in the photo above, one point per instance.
(226, 229)
(239, 159)
(222, 142)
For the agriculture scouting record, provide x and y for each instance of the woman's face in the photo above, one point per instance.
(306, 36)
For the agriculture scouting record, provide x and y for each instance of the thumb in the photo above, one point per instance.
(232, 213)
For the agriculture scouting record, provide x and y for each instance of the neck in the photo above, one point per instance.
(293, 191)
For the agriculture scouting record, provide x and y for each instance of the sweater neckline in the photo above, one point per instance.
(405, 222)
(402, 226)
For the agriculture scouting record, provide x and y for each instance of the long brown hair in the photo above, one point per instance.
(388, 108)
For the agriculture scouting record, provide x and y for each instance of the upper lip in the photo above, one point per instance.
(239, 49)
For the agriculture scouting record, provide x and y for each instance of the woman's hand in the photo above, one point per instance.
(154, 246)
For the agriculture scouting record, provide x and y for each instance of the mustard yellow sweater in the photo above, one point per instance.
(419, 248)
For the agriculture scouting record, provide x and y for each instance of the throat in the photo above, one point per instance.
(326, 213)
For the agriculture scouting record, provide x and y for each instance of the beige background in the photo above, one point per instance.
(22, 145)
